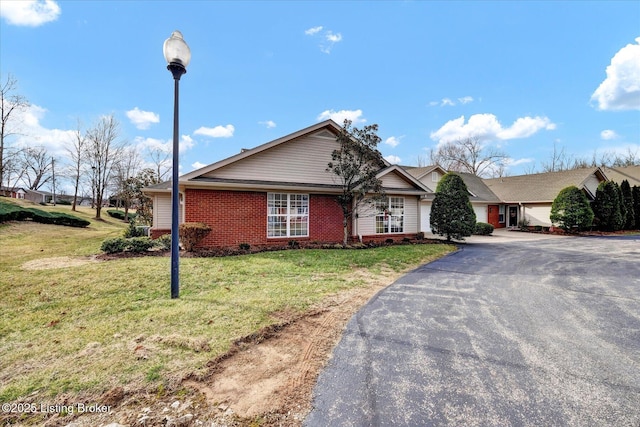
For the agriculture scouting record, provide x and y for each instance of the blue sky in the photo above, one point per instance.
(522, 76)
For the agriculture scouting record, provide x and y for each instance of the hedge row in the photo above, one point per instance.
(11, 212)
(114, 213)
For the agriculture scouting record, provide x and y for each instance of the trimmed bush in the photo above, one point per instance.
(192, 233)
(163, 242)
(483, 229)
(11, 212)
(244, 246)
(451, 212)
(571, 210)
(117, 214)
(140, 244)
(114, 245)
(134, 231)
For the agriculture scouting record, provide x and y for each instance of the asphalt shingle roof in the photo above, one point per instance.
(539, 187)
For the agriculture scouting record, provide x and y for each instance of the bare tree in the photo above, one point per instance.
(103, 151)
(471, 156)
(77, 152)
(11, 105)
(36, 167)
(124, 170)
(161, 160)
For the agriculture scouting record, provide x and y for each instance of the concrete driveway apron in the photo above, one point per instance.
(521, 333)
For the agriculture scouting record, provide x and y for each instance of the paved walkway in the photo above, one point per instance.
(516, 329)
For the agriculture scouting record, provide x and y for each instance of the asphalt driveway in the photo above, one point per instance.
(507, 333)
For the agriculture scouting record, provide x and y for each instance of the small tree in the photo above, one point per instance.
(606, 207)
(451, 213)
(356, 164)
(627, 201)
(571, 210)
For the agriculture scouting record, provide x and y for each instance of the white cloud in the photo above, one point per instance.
(333, 38)
(30, 13)
(608, 134)
(514, 162)
(465, 100)
(327, 38)
(621, 89)
(216, 132)
(198, 165)
(270, 124)
(393, 141)
(314, 30)
(394, 160)
(142, 119)
(185, 143)
(33, 134)
(487, 127)
(447, 101)
(339, 116)
(524, 127)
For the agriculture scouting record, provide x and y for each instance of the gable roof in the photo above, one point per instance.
(619, 174)
(480, 192)
(407, 177)
(422, 171)
(543, 187)
(328, 127)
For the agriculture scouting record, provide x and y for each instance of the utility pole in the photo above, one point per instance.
(53, 178)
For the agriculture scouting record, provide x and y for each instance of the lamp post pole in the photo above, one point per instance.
(177, 55)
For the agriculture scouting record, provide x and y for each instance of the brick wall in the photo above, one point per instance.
(241, 217)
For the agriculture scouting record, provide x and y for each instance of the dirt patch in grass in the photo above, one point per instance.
(57, 262)
(265, 379)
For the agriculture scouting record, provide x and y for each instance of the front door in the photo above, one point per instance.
(493, 215)
(513, 216)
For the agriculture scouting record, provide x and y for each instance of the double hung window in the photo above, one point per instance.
(287, 215)
(390, 215)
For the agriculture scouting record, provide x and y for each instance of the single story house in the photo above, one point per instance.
(528, 198)
(281, 191)
(24, 194)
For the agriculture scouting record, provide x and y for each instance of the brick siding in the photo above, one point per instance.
(241, 217)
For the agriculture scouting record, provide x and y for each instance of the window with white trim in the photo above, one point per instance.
(435, 177)
(501, 214)
(287, 215)
(390, 215)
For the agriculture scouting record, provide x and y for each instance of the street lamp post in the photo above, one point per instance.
(177, 54)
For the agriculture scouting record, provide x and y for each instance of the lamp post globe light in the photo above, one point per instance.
(177, 54)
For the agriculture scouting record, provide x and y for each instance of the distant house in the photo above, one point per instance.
(529, 198)
(25, 194)
(281, 191)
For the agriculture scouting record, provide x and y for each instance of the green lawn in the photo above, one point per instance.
(88, 328)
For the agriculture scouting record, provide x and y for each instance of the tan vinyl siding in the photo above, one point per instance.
(392, 180)
(366, 222)
(411, 216)
(591, 184)
(538, 214)
(162, 211)
(302, 160)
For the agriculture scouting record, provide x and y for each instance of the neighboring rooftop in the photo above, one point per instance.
(540, 187)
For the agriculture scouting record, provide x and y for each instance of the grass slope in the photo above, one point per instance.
(85, 329)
